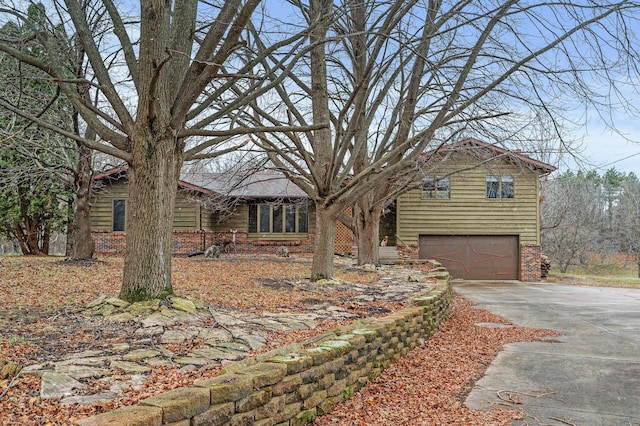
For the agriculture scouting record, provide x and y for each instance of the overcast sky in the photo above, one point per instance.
(603, 148)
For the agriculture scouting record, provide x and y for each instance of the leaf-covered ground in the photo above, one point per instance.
(428, 386)
(38, 297)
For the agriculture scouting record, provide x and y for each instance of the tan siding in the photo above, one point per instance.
(238, 219)
(206, 219)
(186, 213)
(102, 205)
(187, 216)
(468, 211)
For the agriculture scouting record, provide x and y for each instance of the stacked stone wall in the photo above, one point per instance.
(293, 384)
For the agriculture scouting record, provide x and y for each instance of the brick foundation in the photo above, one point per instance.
(186, 242)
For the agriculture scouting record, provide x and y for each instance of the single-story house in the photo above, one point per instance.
(240, 213)
(475, 209)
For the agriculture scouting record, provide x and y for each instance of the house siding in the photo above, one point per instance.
(186, 213)
(469, 212)
(195, 227)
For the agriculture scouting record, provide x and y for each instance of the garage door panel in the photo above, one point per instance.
(482, 257)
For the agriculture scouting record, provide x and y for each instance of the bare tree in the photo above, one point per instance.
(573, 213)
(169, 101)
(627, 217)
(397, 78)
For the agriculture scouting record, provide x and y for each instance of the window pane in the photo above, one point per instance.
(291, 219)
(302, 219)
(507, 187)
(493, 187)
(443, 190)
(253, 218)
(265, 217)
(428, 187)
(277, 219)
(119, 207)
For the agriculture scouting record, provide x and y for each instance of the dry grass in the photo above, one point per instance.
(600, 270)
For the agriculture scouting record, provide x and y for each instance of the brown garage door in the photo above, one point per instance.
(474, 257)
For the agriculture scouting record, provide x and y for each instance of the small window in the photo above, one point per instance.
(119, 215)
(500, 187)
(253, 218)
(290, 219)
(435, 188)
(265, 218)
(303, 226)
(277, 219)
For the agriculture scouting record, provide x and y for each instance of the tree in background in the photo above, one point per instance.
(396, 79)
(31, 89)
(572, 214)
(627, 217)
(34, 174)
(32, 201)
(588, 214)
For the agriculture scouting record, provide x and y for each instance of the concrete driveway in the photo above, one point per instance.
(590, 376)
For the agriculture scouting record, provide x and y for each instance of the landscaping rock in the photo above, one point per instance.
(56, 385)
(129, 367)
(140, 354)
(119, 303)
(183, 305)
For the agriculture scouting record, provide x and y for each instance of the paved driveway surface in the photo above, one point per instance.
(591, 377)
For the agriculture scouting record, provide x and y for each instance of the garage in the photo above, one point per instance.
(474, 257)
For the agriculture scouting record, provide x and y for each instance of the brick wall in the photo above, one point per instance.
(294, 384)
(109, 243)
(530, 259)
(185, 242)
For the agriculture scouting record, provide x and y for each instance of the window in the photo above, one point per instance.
(278, 218)
(435, 188)
(119, 209)
(500, 187)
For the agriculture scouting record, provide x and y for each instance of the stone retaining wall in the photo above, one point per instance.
(294, 384)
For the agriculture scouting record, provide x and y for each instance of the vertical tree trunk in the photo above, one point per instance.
(153, 183)
(367, 229)
(22, 241)
(322, 267)
(45, 240)
(80, 244)
(33, 235)
(325, 242)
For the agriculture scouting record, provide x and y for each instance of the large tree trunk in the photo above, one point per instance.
(80, 244)
(325, 243)
(367, 230)
(153, 184)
